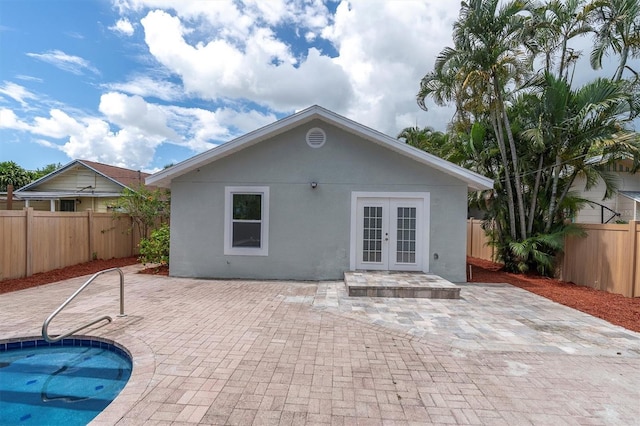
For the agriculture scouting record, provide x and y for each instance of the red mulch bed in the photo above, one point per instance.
(65, 273)
(156, 270)
(617, 309)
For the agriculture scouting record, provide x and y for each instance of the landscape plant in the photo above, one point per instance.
(148, 208)
(522, 120)
(155, 249)
(12, 174)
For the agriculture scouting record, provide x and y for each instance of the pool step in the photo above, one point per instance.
(399, 284)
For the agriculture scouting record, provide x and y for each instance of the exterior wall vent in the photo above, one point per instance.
(316, 137)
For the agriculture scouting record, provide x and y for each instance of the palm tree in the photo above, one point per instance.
(486, 61)
(426, 139)
(577, 125)
(544, 131)
(619, 31)
(552, 26)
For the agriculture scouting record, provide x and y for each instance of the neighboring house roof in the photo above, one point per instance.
(474, 180)
(634, 195)
(124, 178)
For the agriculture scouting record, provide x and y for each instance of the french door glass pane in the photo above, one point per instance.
(406, 235)
(372, 234)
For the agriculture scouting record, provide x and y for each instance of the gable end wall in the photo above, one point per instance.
(309, 229)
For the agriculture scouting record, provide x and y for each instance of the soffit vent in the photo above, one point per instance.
(316, 137)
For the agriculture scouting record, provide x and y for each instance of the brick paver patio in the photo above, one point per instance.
(237, 352)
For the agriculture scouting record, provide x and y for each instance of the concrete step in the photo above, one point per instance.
(399, 284)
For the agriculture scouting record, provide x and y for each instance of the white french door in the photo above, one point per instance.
(389, 233)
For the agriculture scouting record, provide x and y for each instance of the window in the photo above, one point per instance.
(67, 205)
(246, 228)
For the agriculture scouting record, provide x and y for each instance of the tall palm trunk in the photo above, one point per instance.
(507, 175)
(568, 186)
(514, 160)
(563, 59)
(623, 62)
(554, 193)
(534, 195)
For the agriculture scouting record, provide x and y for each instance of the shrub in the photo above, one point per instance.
(155, 249)
(147, 208)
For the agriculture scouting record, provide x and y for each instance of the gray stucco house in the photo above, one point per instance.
(314, 195)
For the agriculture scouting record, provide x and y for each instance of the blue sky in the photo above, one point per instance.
(145, 83)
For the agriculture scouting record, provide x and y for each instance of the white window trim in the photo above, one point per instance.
(263, 250)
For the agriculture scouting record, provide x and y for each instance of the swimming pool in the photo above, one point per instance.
(68, 382)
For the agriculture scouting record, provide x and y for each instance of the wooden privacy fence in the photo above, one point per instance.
(38, 241)
(478, 242)
(608, 258)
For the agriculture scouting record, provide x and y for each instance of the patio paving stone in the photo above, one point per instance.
(245, 352)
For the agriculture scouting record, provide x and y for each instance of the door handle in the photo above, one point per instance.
(386, 236)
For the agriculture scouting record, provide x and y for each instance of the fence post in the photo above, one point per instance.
(9, 197)
(91, 241)
(470, 237)
(28, 267)
(635, 264)
(133, 236)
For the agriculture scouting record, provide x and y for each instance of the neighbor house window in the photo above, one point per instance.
(67, 205)
(246, 230)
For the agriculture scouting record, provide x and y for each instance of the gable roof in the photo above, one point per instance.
(126, 177)
(474, 180)
(122, 177)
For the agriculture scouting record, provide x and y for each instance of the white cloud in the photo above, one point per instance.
(383, 52)
(9, 120)
(133, 112)
(202, 127)
(146, 86)
(58, 125)
(87, 138)
(214, 70)
(124, 148)
(16, 92)
(386, 50)
(132, 129)
(264, 70)
(123, 26)
(70, 63)
(236, 19)
(29, 78)
(244, 121)
(46, 143)
(206, 129)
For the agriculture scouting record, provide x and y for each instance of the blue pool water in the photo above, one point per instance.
(68, 383)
